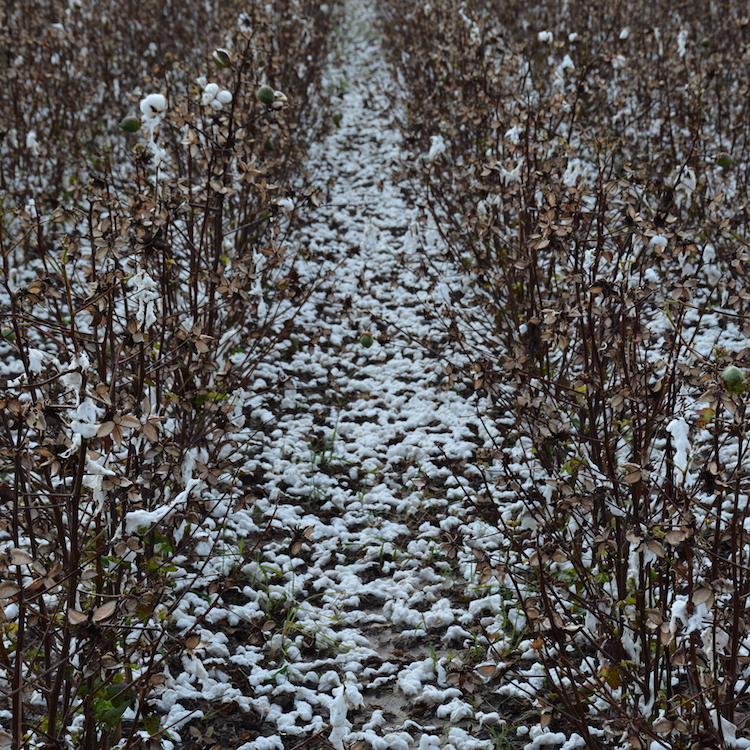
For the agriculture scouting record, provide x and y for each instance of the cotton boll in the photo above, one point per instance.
(682, 38)
(438, 146)
(153, 105)
(216, 105)
(279, 100)
(734, 379)
(244, 22)
(130, 124)
(265, 95)
(545, 37)
(625, 33)
(224, 96)
(619, 62)
(209, 94)
(36, 360)
(31, 142)
(221, 58)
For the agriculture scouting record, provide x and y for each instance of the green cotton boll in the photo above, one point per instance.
(725, 161)
(265, 95)
(366, 340)
(130, 124)
(734, 379)
(221, 58)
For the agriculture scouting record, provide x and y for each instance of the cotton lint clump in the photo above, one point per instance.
(153, 108)
(215, 97)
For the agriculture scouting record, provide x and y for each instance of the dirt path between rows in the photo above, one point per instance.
(363, 626)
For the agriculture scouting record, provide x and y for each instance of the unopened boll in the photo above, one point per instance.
(221, 58)
(265, 95)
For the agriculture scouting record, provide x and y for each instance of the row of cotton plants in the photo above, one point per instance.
(147, 158)
(588, 166)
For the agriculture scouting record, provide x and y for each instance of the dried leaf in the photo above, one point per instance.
(193, 642)
(676, 537)
(662, 725)
(19, 557)
(150, 431)
(611, 675)
(8, 589)
(105, 428)
(546, 717)
(655, 546)
(104, 612)
(76, 618)
(703, 595)
(486, 670)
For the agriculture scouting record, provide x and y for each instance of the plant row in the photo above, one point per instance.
(148, 157)
(587, 168)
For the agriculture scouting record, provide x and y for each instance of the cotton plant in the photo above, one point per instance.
(129, 330)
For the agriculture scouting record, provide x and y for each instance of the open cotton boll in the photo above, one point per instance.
(215, 97)
(682, 38)
(32, 143)
(678, 429)
(37, 358)
(280, 100)
(437, 147)
(209, 93)
(153, 105)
